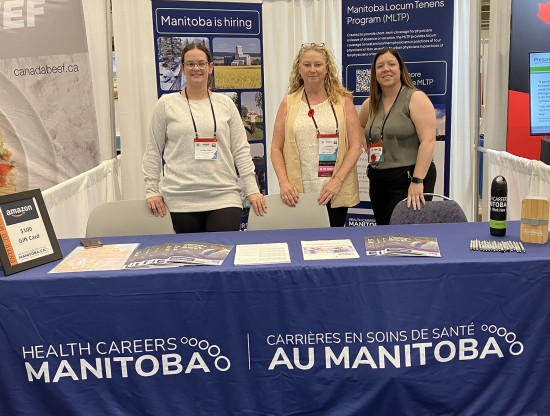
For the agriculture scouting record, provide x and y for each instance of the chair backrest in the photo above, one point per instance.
(306, 214)
(126, 217)
(445, 210)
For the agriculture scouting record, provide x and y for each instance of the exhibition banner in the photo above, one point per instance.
(233, 34)
(422, 32)
(528, 84)
(48, 126)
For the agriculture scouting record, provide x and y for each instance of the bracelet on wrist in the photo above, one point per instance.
(338, 177)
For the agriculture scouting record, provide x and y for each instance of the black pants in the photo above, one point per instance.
(337, 216)
(389, 186)
(225, 219)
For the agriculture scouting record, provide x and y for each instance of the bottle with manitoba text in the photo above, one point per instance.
(499, 202)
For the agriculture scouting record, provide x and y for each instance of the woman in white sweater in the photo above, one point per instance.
(201, 137)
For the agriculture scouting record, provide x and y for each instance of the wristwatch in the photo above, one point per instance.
(414, 179)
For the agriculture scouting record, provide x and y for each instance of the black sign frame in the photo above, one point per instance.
(5, 248)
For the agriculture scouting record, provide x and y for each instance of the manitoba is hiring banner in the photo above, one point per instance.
(233, 34)
(422, 32)
(48, 127)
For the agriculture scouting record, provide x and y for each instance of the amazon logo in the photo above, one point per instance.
(19, 211)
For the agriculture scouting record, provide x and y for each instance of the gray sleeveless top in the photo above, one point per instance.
(400, 138)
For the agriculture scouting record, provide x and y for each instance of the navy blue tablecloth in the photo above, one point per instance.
(467, 333)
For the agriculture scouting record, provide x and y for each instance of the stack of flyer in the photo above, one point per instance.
(178, 254)
(401, 245)
(131, 256)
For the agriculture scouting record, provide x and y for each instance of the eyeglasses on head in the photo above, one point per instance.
(312, 44)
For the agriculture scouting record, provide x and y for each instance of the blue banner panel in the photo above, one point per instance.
(207, 21)
(422, 32)
(233, 34)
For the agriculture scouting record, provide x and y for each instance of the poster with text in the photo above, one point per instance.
(48, 126)
(233, 34)
(529, 32)
(422, 33)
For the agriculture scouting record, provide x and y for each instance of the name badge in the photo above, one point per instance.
(206, 149)
(328, 152)
(376, 152)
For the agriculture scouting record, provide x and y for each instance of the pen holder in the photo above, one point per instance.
(534, 220)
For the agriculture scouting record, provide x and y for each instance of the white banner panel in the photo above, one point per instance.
(48, 126)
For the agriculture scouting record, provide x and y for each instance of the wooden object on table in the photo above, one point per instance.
(534, 220)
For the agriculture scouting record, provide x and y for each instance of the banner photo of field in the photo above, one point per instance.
(233, 34)
(237, 63)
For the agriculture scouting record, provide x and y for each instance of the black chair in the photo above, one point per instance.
(442, 211)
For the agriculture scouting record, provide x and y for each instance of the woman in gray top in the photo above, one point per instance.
(201, 137)
(400, 131)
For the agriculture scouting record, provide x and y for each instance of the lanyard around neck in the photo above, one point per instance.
(385, 118)
(313, 117)
(193, 118)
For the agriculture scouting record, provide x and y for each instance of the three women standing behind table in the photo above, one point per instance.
(400, 130)
(201, 137)
(317, 135)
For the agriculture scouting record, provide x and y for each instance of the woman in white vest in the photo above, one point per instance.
(317, 135)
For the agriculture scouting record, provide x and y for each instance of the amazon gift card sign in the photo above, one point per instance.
(28, 238)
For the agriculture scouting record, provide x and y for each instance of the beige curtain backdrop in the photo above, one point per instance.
(496, 100)
(97, 17)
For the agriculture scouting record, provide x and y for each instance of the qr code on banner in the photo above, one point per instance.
(362, 77)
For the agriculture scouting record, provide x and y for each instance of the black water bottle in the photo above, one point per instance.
(499, 202)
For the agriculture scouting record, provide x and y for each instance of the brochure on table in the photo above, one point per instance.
(401, 245)
(328, 250)
(106, 257)
(270, 253)
(178, 254)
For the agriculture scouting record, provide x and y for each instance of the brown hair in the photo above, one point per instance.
(375, 90)
(333, 86)
(200, 47)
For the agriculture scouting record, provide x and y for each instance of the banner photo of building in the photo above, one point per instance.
(48, 126)
(530, 32)
(233, 34)
(422, 32)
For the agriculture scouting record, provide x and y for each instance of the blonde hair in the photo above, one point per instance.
(376, 90)
(333, 87)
